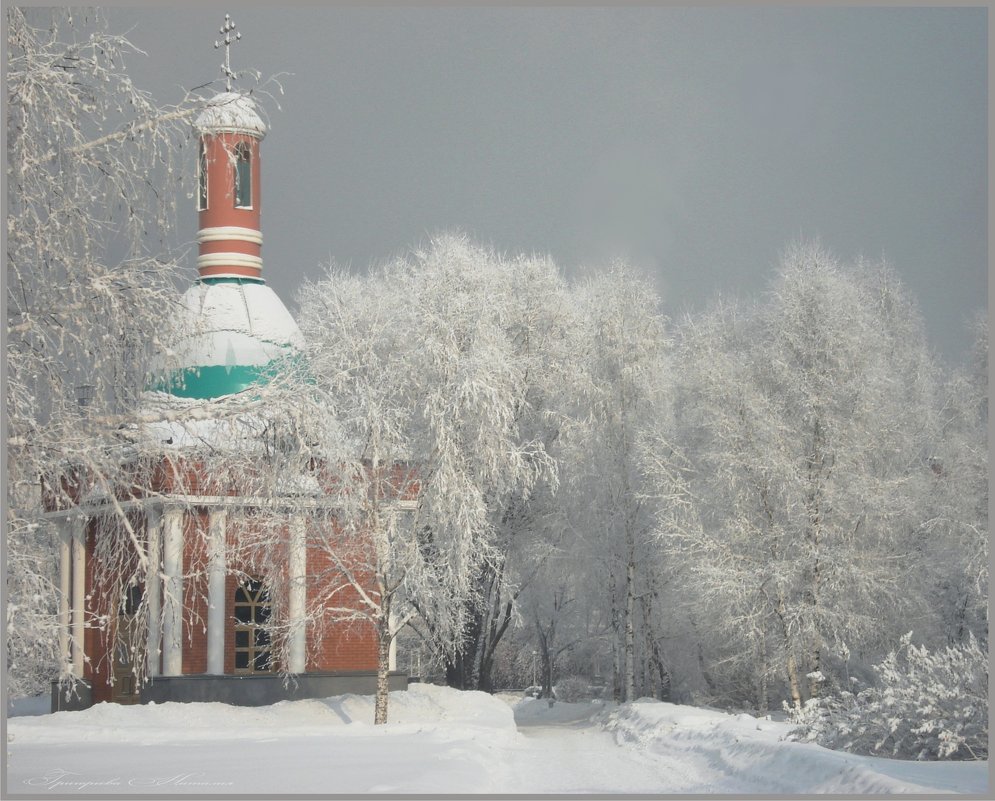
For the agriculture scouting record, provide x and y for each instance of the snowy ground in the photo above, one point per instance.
(442, 741)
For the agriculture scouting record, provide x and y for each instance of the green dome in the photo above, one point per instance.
(236, 333)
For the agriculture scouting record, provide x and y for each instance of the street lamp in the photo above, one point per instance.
(84, 395)
(534, 655)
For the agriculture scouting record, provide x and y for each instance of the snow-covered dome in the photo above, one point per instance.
(230, 112)
(233, 333)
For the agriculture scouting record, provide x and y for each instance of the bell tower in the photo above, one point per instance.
(229, 195)
(235, 331)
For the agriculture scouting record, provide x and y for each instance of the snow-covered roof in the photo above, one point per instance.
(230, 112)
(235, 322)
(212, 422)
(232, 334)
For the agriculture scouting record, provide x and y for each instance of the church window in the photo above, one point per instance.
(252, 638)
(243, 177)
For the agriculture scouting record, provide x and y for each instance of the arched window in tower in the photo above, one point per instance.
(243, 177)
(202, 178)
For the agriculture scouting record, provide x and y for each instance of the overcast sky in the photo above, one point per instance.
(697, 142)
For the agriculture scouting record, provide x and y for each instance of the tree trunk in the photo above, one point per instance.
(456, 673)
(499, 625)
(791, 665)
(383, 669)
(762, 699)
(616, 650)
(815, 682)
(794, 682)
(630, 636)
(461, 673)
(616, 674)
(655, 657)
(815, 513)
(545, 653)
(705, 674)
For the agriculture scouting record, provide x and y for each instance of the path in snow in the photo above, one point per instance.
(567, 753)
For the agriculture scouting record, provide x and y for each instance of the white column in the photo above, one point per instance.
(298, 591)
(153, 588)
(216, 528)
(78, 528)
(172, 602)
(392, 648)
(65, 588)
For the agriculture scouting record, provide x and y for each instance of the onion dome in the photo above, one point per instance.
(234, 334)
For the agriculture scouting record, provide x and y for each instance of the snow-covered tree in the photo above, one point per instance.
(539, 325)
(623, 349)
(92, 178)
(416, 362)
(955, 533)
(801, 445)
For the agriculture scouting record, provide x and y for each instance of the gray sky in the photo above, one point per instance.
(699, 142)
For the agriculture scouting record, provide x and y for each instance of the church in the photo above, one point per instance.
(199, 627)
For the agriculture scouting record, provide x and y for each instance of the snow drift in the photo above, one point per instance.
(747, 747)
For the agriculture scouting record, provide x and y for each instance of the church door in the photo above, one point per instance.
(128, 648)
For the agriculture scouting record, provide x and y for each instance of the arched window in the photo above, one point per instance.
(243, 177)
(202, 178)
(252, 641)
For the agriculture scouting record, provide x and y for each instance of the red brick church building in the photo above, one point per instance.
(206, 611)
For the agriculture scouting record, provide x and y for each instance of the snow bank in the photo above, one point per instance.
(439, 740)
(176, 722)
(742, 746)
(427, 703)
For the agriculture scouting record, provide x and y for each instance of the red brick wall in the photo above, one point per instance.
(231, 583)
(195, 591)
(102, 604)
(332, 646)
(96, 645)
(336, 645)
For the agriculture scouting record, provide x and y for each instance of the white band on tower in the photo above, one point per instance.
(229, 260)
(232, 232)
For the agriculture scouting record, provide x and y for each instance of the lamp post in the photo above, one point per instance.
(534, 655)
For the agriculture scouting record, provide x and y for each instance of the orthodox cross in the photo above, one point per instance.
(226, 29)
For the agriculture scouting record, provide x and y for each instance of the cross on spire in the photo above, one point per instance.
(226, 30)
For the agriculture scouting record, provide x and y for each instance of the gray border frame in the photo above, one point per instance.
(248, 4)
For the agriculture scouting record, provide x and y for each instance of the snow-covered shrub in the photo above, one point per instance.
(925, 705)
